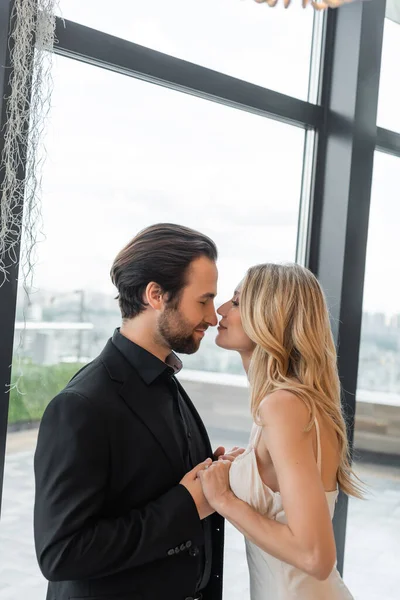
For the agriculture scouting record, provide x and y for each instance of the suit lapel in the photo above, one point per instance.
(138, 397)
(196, 416)
(140, 402)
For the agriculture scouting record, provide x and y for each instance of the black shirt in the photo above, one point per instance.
(176, 414)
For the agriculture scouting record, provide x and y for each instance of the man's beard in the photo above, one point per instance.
(178, 333)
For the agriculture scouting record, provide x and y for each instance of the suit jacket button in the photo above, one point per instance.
(177, 550)
(171, 552)
(188, 544)
(182, 547)
(194, 551)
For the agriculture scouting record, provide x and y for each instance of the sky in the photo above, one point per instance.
(123, 154)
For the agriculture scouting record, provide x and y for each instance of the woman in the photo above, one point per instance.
(281, 492)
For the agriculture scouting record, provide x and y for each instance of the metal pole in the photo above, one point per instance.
(339, 227)
(8, 291)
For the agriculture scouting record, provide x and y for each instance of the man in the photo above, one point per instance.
(119, 509)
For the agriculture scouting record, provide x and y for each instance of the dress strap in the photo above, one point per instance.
(319, 452)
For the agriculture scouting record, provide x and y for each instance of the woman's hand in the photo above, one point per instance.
(231, 455)
(215, 483)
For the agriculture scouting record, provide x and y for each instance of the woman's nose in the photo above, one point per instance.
(221, 310)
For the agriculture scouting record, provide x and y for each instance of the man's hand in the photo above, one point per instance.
(220, 451)
(193, 485)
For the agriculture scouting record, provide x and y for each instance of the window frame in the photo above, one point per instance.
(341, 136)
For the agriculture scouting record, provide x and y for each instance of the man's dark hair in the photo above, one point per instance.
(161, 253)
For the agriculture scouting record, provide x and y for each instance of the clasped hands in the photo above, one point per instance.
(208, 482)
(316, 4)
(214, 477)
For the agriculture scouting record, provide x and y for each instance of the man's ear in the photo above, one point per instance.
(153, 295)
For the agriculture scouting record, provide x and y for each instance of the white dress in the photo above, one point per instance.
(270, 578)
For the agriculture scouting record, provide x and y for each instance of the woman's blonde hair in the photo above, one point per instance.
(284, 312)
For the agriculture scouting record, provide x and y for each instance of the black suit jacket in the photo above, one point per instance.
(111, 521)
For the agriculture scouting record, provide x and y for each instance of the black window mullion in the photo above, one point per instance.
(339, 228)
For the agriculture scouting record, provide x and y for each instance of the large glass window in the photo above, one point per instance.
(389, 94)
(123, 154)
(271, 48)
(373, 532)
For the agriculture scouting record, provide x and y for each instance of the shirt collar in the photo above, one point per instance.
(174, 362)
(146, 364)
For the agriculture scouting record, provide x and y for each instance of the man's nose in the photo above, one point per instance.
(212, 318)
